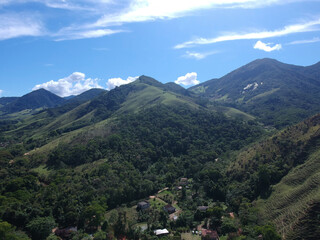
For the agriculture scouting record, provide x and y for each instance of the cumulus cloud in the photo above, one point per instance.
(18, 25)
(188, 79)
(266, 46)
(74, 84)
(116, 82)
(290, 29)
(1, 91)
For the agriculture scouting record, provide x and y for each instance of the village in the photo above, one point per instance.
(174, 213)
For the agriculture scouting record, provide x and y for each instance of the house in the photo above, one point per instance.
(209, 235)
(169, 209)
(183, 181)
(160, 232)
(65, 233)
(143, 205)
(202, 208)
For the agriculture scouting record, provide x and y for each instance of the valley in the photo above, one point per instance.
(230, 158)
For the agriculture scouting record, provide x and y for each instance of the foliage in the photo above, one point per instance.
(41, 227)
(7, 232)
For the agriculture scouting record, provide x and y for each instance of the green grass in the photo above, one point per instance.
(265, 94)
(41, 170)
(237, 114)
(166, 192)
(190, 236)
(223, 98)
(198, 90)
(157, 203)
(131, 215)
(149, 97)
(143, 226)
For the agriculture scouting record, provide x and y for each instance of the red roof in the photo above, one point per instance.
(210, 234)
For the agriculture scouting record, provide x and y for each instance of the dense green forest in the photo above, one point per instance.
(147, 151)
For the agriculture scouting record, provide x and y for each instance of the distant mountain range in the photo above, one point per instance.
(43, 99)
(278, 94)
(275, 93)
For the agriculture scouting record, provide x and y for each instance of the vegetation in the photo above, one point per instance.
(81, 168)
(278, 94)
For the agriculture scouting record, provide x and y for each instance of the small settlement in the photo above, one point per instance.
(181, 211)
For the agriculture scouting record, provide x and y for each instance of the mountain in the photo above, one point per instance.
(87, 163)
(87, 95)
(278, 94)
(75, 101)
(63, 169)
(284, 170)
(171, 86)
(37, 99)
(140, 95)
(6, 100)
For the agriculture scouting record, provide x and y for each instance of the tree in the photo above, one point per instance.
(268, 232)
(7, 232)
(93, 215)
(41, 227)
(228, 226)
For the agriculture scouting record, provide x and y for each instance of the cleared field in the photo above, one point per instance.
(190, 236)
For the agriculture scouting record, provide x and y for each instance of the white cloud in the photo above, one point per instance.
(72, 34)
(316, 39)
(1, 91)
(266, 46)
(17, 25)
(148, 10)
(290, 29)
(198, 55)
(116, 82)
(105, 14)
(87, 5)
(188, 79)
(74, 84)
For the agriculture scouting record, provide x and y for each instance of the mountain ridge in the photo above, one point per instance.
(278, 93)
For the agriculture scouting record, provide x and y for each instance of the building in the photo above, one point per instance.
(209, 235)
(65, 233)
(202, 208)
(160, 232)
(143, 205)
(183, 181)
(169, 209)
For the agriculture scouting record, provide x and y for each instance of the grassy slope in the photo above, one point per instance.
(292, 197)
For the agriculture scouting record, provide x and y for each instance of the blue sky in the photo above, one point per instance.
(71, 46)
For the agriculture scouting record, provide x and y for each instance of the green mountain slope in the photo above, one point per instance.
(139, 95)
(37, 99)
(284, 171)
(295, 200)
(279, 94)
(6, 100)
(135, 140)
